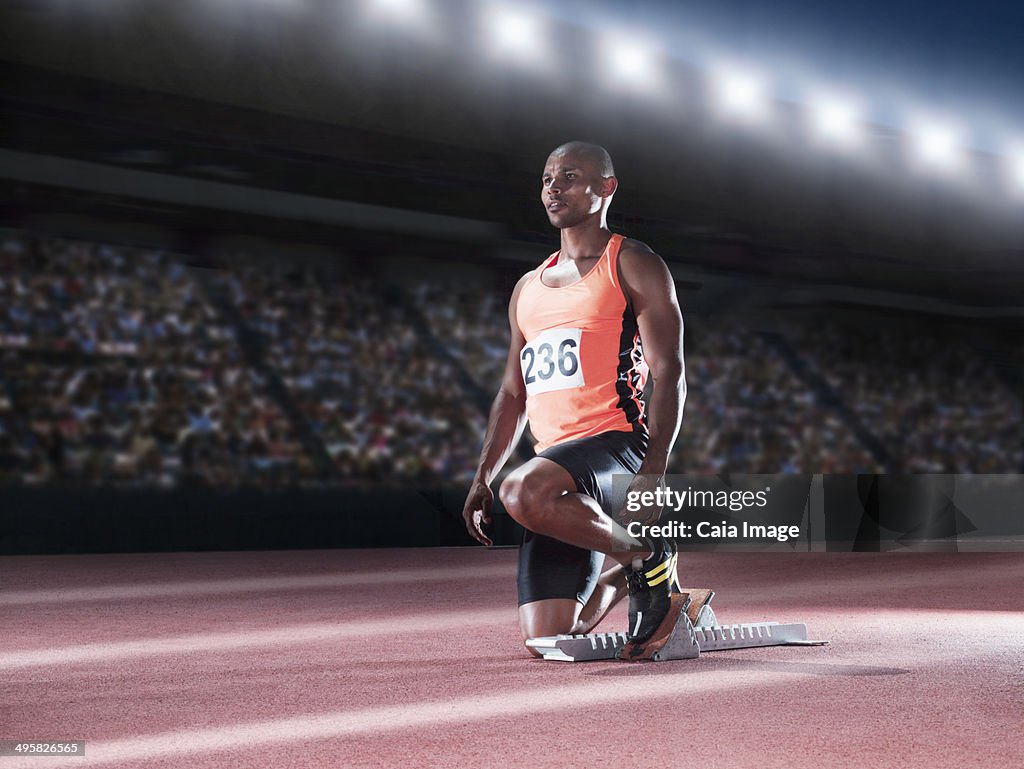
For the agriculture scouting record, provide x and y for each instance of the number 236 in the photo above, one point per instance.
(567, 362)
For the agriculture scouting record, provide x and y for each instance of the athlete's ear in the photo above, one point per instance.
(608, 186)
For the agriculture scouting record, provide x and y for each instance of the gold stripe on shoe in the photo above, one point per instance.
(657, 580)
(665, 566)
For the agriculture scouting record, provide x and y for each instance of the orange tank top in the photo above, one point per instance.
(583, 363)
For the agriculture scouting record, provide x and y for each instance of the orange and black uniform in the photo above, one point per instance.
(583, 363)
(584, 371)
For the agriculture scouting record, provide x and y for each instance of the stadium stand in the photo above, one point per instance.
(129, 368)
(933, 402)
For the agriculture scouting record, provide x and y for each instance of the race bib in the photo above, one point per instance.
(552, 361)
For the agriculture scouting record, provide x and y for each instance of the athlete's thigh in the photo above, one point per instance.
(543, 476)
(596, 461)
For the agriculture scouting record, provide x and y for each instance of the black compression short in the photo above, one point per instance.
(549, 568)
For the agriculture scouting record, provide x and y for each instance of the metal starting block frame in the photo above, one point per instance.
(686, 641)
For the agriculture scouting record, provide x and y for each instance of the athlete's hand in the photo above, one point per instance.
(477, 511)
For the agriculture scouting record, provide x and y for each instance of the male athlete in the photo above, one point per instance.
(588, 326)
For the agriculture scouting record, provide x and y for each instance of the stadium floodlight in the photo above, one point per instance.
(937, 146)
(513, 30)
(835, 120)
(1016, 168)
(630, 63)
(405, 11)
(739, 93)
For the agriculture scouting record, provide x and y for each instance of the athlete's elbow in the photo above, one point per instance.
(510, 395)
(669, 373)
(513, 399)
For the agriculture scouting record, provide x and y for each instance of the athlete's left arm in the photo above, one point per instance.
(650, 289)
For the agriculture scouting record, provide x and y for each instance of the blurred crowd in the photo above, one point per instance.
(129, 368)
(933, 402)
(116, 369)
(383, 405)
(136, 423)
(60, 296)
(747, 412)
(471, 324)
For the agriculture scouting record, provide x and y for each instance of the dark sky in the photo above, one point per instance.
(960, 59)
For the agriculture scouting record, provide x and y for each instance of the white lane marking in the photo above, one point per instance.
(465, 710)
(378, 720)
(438, 622)
(250, 584)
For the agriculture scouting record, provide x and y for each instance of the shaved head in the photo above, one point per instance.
(578, 184)
(592, 152)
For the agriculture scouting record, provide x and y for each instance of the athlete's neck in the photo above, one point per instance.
(584, 241)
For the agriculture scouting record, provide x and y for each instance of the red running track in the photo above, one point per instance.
(412, 658)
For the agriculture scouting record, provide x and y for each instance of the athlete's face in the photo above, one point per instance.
(572, 189)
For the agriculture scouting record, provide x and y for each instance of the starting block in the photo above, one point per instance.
(689, 628)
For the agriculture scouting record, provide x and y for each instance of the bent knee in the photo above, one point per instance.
(525, 498)
(511, 495)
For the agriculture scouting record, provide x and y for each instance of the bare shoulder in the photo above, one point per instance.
(638, 261)
(631, 247)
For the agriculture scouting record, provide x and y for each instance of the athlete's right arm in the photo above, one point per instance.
(505, 427)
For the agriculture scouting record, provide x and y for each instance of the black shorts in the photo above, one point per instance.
(550, 568)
